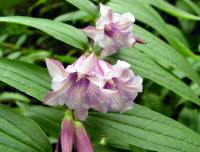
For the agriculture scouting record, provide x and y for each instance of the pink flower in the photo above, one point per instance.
(113, 31)
(71, 86)
(92, 83)
(82, 140)
(120, 89)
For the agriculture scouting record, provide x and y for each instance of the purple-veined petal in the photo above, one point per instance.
(82, 140)
(54, 98)
(91, 31)
(67, 133)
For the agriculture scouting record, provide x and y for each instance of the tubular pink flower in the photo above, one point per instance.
(92, 83)
(113, 31)
(67, 133)
(82, 140)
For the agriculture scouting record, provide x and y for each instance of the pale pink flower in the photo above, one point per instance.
(71, 86)
(113, 31)
(93, 83)
(82, 140)
(120, 89)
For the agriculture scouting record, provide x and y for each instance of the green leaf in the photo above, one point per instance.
(190, 118)
(73, 16)
(19, 134)
(60, 31)
(28, 78)
(49, 119)
(164, 54)
(7, 96)
(146, 14)
(144, 128)
(86, 6)
(174, 11)
(147, 68)
(193, 6)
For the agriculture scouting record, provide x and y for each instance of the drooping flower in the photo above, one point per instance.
(113, 31)
(92, 83)
(67, 132)
(120, 89)
(71, 86)
(82, 140)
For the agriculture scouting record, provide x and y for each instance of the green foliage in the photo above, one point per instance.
(19, 133)
(169, 62)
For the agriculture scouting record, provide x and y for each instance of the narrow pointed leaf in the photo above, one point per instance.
(86, 6)
(164, 54)
(18, 133)
(168, 8)
(28, 78)
(144, 128)
(149, 69)
(60, 31)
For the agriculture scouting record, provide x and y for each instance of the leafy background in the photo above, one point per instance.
(166, 116)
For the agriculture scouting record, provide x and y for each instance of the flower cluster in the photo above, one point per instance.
(93, 83)
(113, 31)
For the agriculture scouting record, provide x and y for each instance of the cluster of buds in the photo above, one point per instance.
(73, 134)
(91, 82)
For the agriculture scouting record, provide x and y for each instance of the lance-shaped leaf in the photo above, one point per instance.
(147, 68)
(164, 54)
(28, 78)
(86, 6)
(18, 133)
(60, 31)
(168, 8)
(144, 128)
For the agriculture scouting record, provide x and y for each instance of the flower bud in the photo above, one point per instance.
(82, 140)
(67, 132)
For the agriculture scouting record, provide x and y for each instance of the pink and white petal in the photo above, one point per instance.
(81, 113)
(110, 48)
(120, 103)
(74, 96)
(91, 31)
(71, 69)
(57, 82)
(97, 80)
(88, 65)
(54, 98)
(58, 97)
(106, 16)
(127, 18)
(122, 64)
(55, 68)
(104, 100)
(105, 10)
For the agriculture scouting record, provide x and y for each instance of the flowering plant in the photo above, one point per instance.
(114, 76)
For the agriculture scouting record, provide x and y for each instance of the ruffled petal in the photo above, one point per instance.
(54, 98)
(92, 32)
(106, 16)
(88, 65)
